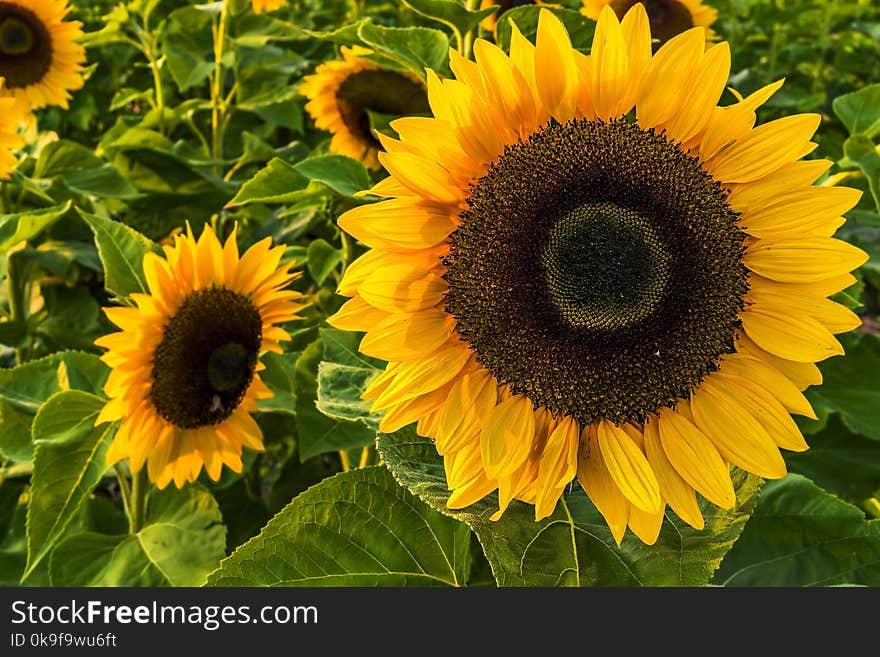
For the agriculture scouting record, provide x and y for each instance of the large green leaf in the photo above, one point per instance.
(279, 375)
(573, 547)
(800, 535)
(861, 150)
(81, 171)
(839, 461)
(323, 258)
(415, 48)
(451, 13)
(317, 432)
(357, 528)
(860, 110)
(852, 384)
(22, 226)
(69, 461)
(182, 541)
(122, 250)
(343, 375)
(24, 389)
(277, 182)
(342, 174)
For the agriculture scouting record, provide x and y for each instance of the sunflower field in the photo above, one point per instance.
(439, 292)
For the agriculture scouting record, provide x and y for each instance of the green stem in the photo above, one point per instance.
(124, 488)
(16, 292)
(217, 101)
(468, 41)
(140, 488)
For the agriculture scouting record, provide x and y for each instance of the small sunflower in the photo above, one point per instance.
(667, 17)
(10, 139)
(586, 268)
(39, 54)
(185, 366)
(342, 92)
(259, 6)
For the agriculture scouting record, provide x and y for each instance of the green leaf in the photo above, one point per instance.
(277, 182)
(122, 250)
(317, 432)
(416, 48)
(341, 174)
(357, 528)
(323, 259)
(851, 384)
(279, 375)
(23, 226)
(861, 150)
(82, 171)
(69, 461)
(182, 541)
(839, 461)
(800, 535)
(24, 389)
(579, 27)
(574, 546)
(451, 13)
(343, 376)
(860, 110)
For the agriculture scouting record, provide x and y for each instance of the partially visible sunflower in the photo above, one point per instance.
(668, 17)
(10, 139)
(343, 92)
(259, 6)
(586, 268)
(39, 54)
(185, 366)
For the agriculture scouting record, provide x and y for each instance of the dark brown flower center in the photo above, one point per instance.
(25, 46)
(598, 271)
(382, 93)
(206, 359)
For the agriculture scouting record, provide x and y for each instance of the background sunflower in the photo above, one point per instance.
(667, 17)
(40, 56)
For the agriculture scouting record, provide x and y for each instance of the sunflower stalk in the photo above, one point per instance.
(16, 293)
(467, 42)
(218, 103)
(140, 488)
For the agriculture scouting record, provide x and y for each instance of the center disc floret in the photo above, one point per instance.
(606, 267)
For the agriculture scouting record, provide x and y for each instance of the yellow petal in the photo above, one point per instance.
(609, 67)
(628, 466)
(705, 90)
(645, 525)
(400, 224)
(423, 177)
(403, 289)
(802, 375)
(424, 375)
(558, 465)
(556, 74)
(796, 176)
(669, 78)
(737, 435)
(599, 485)
(769, 378)
(695, 458)
(815, 211)
(793, 336)
(356, 315)
(764, 149)
(507, 438)
(404, 336)
(674, 489)
(803, 260)
(467, 408)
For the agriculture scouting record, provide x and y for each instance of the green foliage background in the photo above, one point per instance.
(164, 134)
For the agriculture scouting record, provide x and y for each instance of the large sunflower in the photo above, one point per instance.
(259, 6)
(184, 377)
(343, 92)
(667, 17)
(566, 287)
(39, 54)
(10, 139)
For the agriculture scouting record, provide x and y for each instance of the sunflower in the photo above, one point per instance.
(184, 377)
(583, 267)
(667, 17)
(260, 6)
(342, 94)
(10, 139)
(39, 55)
